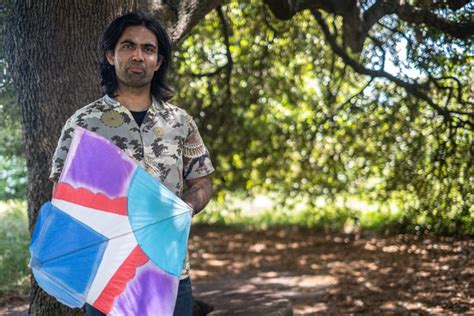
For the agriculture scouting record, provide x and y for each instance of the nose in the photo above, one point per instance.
(137, 54)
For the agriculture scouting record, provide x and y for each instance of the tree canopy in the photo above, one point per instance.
(328, 97)
(288, 106)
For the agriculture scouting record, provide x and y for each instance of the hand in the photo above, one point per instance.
(191, 209)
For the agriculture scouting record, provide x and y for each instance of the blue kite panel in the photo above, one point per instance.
(65, 255)
(160, 220)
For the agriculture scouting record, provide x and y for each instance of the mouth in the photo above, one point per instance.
(136, 68)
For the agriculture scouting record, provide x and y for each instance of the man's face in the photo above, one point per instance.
(135, 57)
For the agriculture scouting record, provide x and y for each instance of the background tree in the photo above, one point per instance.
(303, 106)
(306, 122)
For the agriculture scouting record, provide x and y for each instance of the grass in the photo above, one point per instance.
(346, 214)
(14, 241)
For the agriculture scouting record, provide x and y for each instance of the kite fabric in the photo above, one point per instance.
(112, 236)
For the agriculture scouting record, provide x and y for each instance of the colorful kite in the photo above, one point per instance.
(112, 236)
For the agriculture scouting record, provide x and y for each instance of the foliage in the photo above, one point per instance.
(14, 240)
(12, 178)
(12, 162)
(281, 113)
(347, 213)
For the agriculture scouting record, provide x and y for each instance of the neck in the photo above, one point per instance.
(134, 99)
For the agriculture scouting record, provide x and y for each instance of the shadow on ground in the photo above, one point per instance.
(333, 273)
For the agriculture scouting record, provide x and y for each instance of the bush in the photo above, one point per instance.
(14, 241)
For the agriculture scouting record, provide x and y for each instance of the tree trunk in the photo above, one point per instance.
(52, 50)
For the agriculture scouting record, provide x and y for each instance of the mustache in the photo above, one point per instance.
(136, 63)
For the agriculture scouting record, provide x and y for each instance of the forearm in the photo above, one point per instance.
(198, 194)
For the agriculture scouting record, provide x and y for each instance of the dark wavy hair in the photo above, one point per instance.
(159, 86)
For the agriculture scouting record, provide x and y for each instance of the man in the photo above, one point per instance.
(134, 114)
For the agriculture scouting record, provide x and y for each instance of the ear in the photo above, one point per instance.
(159, 62)
(110, 57)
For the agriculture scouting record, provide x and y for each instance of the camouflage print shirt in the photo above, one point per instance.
(167, 144)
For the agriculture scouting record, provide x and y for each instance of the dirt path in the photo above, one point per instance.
(342, 274)
(337, 274)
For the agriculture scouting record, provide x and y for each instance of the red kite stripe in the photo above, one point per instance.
(84, 197)
(119, 280)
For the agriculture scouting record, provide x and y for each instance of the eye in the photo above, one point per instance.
(127, 46)
(149, 49)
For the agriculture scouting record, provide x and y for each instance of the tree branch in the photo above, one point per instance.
(349, 100)
(228, 66)
(453, 89)
(207, 74)
(379, 45)
(358, 23)
(412, 88)
(180, 16)
(286, 9)
(354, 33)
(451, 4)
(416, 15)
(226, 29)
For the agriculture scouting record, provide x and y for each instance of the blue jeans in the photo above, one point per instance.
(184, 301)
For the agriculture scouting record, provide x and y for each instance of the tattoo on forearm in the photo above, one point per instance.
(198, 195)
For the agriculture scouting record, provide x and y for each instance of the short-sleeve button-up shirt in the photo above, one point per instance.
(167, 144)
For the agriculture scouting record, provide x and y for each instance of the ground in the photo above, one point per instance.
(324, 273)
(333, 273)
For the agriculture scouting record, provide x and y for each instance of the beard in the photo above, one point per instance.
(135, 79)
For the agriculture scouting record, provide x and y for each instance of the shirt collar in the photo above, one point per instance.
(155, 104)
